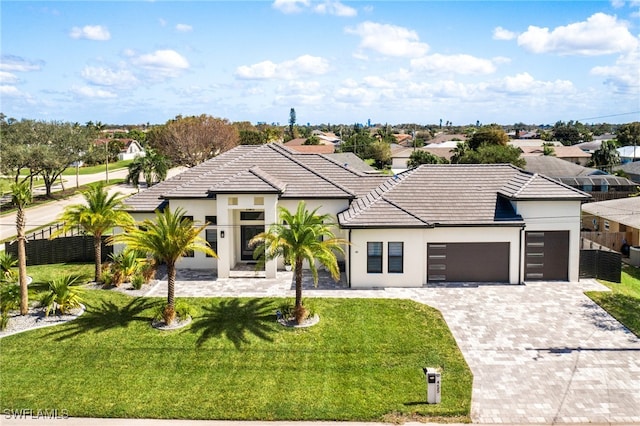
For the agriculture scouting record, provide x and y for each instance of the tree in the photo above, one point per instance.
(459, 151)
(292, 122)
(312, 140)
(17, 150)
(252, 137)
(301, 236)
(167, 238)
(424, 157)
(629, 134)
(547, 149)
(188, 141)
(100, 213)
(152, 166)
(571, 133)
(358, 142)
(380, 152)
(606, 157)
(493, 154)
(492, 135)
(21, 196)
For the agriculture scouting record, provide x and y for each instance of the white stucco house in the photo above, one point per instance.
(435, 223)
(132, 149)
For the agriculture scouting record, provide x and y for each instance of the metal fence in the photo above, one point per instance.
(77, 248)
(602, 264)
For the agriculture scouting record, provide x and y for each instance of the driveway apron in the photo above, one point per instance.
(540, 353)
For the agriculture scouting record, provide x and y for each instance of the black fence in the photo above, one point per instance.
(60, 250)
(604, 265)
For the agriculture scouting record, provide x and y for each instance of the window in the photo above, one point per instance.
(395, 255)
(233, 201)
(188, 217)
(374, 258)
(211, 235)
(258, 201)
(251, 215)
(213, 220)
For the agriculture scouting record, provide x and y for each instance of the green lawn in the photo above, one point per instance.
(89, 170)
(363, 361)
(623, 302)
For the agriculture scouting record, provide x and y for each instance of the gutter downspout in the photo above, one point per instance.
(349, 271)
(522, 260)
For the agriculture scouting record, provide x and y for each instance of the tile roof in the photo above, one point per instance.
(441, 195)
(262, 168)
(556, 167)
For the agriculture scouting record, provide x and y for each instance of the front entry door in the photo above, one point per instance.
(247, 233)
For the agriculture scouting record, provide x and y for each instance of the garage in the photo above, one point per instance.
(468, 262)
(546, 256)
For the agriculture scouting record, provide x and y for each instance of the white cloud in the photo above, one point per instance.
(458, 64)
(165, 63)
(287, 70)
(19, 64)
(162, 22)
(500, 33)
(624, 76)
(335, 8)
(600, 34)
(617, 3)
(378, 82)
(327, 7)
(90, 32)
(6, 90)
(184, 28)
(524, 83)
(107, 77)
(290, 6)
(389, 40)
(8, 78)
(92, 92)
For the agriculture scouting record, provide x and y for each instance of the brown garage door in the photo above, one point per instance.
(546, 256)
(468, 262)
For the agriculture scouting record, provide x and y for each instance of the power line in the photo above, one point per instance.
(607, 116)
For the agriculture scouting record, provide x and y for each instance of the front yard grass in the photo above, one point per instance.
(623, 302)
(362, 362)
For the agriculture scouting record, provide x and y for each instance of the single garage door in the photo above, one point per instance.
(546, 256)
(468, 262)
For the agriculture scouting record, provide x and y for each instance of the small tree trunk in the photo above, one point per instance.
(298, 272)
(22, 262)
(97, 249)
(171, 285)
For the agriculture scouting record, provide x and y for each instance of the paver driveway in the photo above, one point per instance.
(540, 352)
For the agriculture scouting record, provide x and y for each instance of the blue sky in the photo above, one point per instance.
(129, 62)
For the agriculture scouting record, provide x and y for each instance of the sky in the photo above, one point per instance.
(337, 62)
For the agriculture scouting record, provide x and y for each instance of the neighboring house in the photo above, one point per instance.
(632, 170)
(629, 154)
(600, 185)
(444, 137)
(404, 139)
(571, 154)
(313, 149)
(620, 216)
(351, 161)
(435, 223)
(400, 157)
(538, 143)
(591, 146)
(132, 149)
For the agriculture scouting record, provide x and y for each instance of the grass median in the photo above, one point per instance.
(362, 362)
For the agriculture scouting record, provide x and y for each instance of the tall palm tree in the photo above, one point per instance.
(21, 196)
(302, 236)
(100, 213)
(167, 238)
(153, 167)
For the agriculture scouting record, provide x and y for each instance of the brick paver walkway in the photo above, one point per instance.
(540, 352)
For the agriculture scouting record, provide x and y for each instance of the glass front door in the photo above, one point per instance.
(247, 233)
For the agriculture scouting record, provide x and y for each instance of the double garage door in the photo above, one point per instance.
(546, 258)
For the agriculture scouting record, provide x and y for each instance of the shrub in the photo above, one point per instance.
(137, 280)
(148, 268)
(184, 310)
(124, 265)
(62, 295)
(7, 263)
(9, 301)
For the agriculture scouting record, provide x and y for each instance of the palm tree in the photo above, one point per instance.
(298, 237)
(153, 167)
(461, 149)
(21, 196)
(606, 157)
(100, 213)
(167, 239)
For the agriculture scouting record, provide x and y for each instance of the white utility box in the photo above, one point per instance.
(433, 385)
